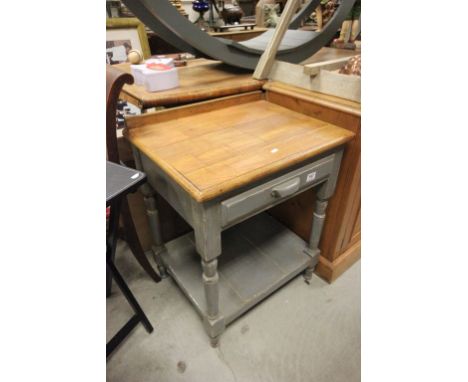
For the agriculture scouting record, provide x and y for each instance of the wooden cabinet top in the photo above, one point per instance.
(325, 100)
(200, 80)
(212, 152)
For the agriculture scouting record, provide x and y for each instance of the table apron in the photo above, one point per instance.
(269, 194)
(232, 209)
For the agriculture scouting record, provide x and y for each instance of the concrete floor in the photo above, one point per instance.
(300, 333)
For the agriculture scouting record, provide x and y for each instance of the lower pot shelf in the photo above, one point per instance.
(258, 256)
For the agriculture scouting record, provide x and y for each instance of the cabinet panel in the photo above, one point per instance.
(340, 244)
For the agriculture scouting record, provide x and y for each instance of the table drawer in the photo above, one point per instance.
(268, 194)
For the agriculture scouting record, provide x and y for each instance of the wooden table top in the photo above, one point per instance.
(201, 79)
(211, 153)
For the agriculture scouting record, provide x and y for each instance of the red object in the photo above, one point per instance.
(107, 212)
(154, 66)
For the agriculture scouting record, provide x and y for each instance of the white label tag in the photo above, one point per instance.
(311, 176)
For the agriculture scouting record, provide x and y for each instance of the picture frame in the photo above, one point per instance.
(123, 34)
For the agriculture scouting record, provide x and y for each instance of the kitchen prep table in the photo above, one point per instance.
(221, 164)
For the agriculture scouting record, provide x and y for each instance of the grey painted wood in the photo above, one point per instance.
(324, 192)
(162, 17)
(251, 266)
(155, 228)
(303, 14)
(210, 282)
(244, 264)
(139, 9)
(327, 190)
(152, 212)
(265, 196)
(291, 40)
(207, 229)
(318, 221)
(169, 190)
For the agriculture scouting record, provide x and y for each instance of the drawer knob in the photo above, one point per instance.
(286, 188)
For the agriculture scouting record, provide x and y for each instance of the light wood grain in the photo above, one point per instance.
(214, 152)
(352, 212)
(201, 80)
(192, 109)
(341, 233)
(330, 271)
(173, 224)
(327, 101)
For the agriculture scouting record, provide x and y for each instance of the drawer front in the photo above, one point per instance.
(267, 195)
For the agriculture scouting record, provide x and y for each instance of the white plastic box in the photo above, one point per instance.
(137, 73)
(141, 71)
(158, 80)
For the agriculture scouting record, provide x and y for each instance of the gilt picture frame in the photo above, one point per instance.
(122, 35)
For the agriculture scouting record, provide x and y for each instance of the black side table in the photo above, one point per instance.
(120, 181)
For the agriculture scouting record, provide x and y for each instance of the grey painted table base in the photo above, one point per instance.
(245, 253)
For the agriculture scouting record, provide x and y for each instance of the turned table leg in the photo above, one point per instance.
(324, 192)
(214, 323)
(317, 225)
(208, 243)
(210, 282)
(133, 241)
(152, 212)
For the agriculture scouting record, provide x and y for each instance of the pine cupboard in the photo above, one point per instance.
(341, 238)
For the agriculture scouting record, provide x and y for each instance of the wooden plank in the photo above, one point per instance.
(214, 152)
(315, 68)
(352, 211)
(188, 110)
(330, 271)
(357, 226)
(267, 58)
(296, 213)
(250, 268)
(198, 81)
(329, 102)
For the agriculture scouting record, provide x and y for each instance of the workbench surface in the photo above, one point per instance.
(214, 152)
